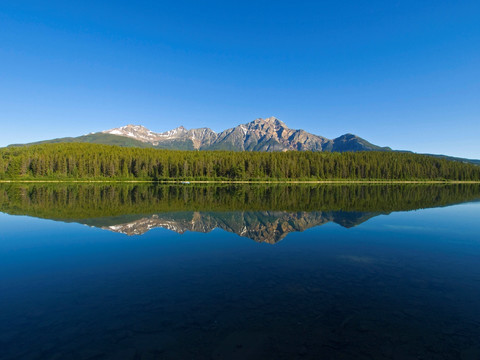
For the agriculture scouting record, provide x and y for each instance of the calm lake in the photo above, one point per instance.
(137, 272)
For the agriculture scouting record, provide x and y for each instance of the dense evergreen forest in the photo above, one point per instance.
(94, 161)
(72, 202)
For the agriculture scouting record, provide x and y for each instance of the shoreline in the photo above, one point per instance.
(191, 182)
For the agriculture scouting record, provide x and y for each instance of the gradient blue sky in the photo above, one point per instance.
(400, 73)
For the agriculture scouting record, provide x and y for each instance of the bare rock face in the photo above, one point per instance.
(196, 138)
(202, 137)
(268, 134)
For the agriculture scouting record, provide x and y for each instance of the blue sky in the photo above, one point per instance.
(405, 74)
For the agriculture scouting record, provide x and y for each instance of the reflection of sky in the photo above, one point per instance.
(443, 220)
(33, 248)
(59, 276)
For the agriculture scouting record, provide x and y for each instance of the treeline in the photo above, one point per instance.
(69, 202)
(93, 161)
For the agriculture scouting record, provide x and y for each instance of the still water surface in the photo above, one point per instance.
(240, 272)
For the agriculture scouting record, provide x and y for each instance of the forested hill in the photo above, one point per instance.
(94, 161)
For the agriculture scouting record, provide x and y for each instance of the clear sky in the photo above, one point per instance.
(404, 74)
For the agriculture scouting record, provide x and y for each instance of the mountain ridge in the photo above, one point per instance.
(270, 134)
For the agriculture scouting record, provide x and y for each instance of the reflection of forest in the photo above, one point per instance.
(261, 212)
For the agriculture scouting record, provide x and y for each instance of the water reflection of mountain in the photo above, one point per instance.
(261, 226)
(264, 213)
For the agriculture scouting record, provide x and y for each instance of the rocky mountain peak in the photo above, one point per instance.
(132, 127)
(274, 120)
(177, 132)
(267, 123)
(137, 132)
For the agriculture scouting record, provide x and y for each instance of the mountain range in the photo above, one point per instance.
(268, 134)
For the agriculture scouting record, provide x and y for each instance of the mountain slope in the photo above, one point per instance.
(95, 138)
(453, 158)
(178, 138)
(350, 142)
